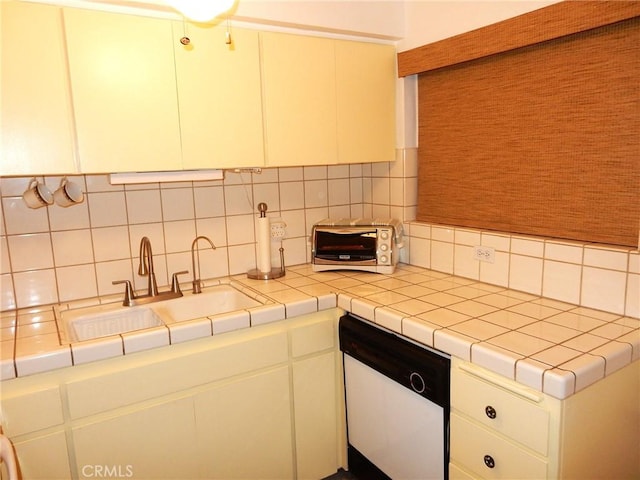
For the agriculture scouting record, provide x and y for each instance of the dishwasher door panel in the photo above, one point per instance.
(395, 428)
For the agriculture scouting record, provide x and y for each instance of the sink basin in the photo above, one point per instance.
(97, 322)
(212, 301)
(103, 320)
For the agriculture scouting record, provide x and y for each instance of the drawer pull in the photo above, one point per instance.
(490, 411)
(489, 461)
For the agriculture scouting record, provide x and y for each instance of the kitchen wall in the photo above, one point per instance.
(54, 254)
(430, 21)
(57, 254)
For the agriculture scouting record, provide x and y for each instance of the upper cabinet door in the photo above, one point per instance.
(36, 121)
(220, 98)
(366, 91)
(299, 85)
(124, 92)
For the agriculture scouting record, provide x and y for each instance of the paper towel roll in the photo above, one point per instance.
(264, 245)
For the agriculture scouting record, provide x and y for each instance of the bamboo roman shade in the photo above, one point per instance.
(541, 140)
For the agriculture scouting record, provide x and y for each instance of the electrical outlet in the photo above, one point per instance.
(278, 229)
(484, 254)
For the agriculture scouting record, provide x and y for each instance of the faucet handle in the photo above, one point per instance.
(175, 285)
(128, 292)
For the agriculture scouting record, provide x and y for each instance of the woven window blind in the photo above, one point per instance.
(541, 140)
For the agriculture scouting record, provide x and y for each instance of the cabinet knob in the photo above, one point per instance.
(490, 411)
(489, 461)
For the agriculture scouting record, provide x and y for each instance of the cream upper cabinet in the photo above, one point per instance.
(366, 99)
(123, 85)
(36, 121)
(219, 97)
(299, 85)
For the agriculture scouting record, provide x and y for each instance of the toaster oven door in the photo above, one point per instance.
(347, 246)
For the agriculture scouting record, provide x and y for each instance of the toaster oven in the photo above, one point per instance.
(371, 245)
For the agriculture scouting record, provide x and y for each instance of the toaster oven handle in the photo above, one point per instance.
(345, 231)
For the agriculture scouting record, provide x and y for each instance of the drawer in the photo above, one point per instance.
(501, 408)
(471, 444)
(458, 473)
(30, 411)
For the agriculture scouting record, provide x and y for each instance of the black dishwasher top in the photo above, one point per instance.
(419, 368)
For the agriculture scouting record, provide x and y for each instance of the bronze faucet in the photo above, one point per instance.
(197, 283)
(146, 269)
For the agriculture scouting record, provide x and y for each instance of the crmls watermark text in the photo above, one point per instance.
(107, 471)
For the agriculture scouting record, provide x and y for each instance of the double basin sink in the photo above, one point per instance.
(110, 319)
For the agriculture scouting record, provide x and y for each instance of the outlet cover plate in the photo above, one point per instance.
(484, 254)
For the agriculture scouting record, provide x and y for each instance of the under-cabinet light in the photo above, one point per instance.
(158, 177)
(201, 10)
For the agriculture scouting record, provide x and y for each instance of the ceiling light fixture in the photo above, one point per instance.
(201, 10)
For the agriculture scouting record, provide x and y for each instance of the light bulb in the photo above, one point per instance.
(201, 10)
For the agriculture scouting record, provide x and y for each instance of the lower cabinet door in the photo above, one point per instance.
(244, 429)
(491, 456)
(459, 473)
(152, 442)
(315, 409)
(43, 457)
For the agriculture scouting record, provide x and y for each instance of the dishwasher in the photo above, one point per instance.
(397, 404)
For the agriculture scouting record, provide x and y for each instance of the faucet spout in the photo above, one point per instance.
(197, 283)
(146, 266)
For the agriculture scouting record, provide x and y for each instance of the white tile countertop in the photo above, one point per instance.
(553, 347)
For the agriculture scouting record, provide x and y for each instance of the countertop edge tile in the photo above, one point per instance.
(559, 383)
(496, 359)
(43, 362)
(530, 372)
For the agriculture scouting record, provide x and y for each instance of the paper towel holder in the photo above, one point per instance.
(256, 273)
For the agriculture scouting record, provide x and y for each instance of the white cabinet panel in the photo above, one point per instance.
(470, 445)
(124, 92)
(316, 411)
(154, 442)
(43, 457)
(507, 413)
(244, 429)
(31, 411)
(220, 98)
(299, 78)
(366, 99)
(36, 127)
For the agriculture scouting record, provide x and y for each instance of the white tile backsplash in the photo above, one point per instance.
(107, 209)
(562, 281)
(30, 251)
(106, 230)
(525, 273)
(316, 193)
(603, 258)
(339, 191)
(604, 289)
(110, 243)
(72, 247)
(209, 201)
(143, 206)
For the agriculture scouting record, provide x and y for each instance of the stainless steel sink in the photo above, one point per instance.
(100, 321)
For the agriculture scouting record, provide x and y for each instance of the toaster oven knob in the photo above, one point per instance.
(384, 259)
(384, 247)
(384, 235)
